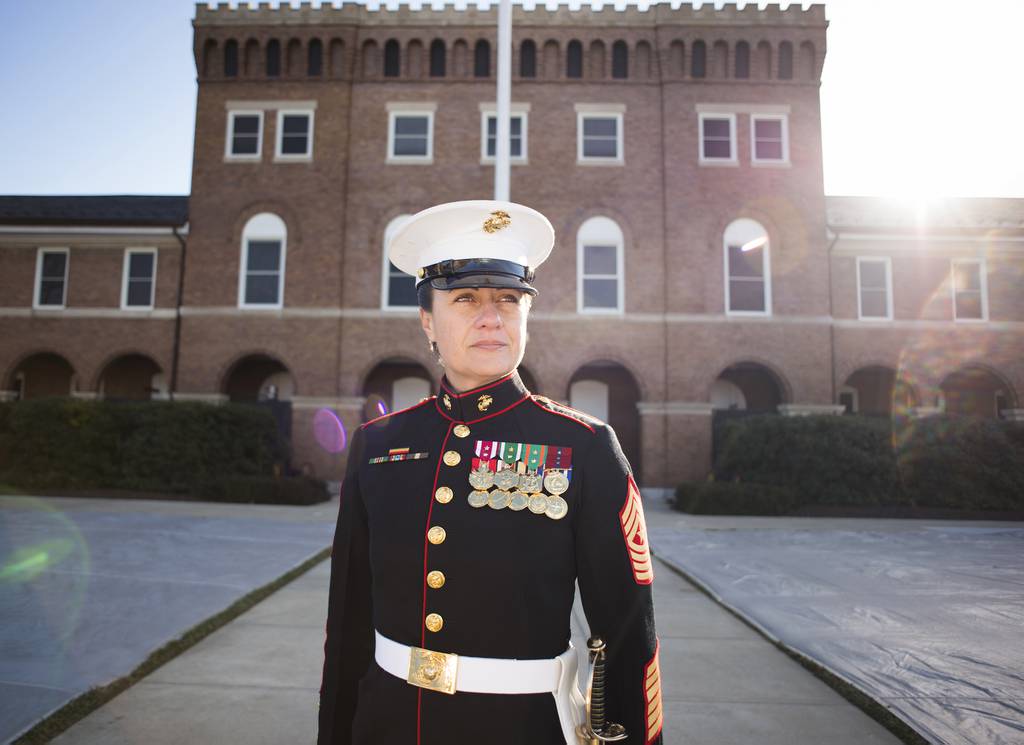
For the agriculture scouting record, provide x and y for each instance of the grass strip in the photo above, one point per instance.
(83, 705)
(874, 709)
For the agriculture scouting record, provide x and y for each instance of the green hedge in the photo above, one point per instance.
(153, 446)
(938, 461)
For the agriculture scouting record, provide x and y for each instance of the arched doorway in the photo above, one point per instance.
(876, 391)
(41, 375)
(977, 392)
(263, 380)
(393, 385)
(131, 377)
(740, 390)
(608, 391)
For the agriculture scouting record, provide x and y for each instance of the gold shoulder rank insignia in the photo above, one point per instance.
(652, 695)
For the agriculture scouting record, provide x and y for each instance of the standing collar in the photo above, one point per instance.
(483, 402)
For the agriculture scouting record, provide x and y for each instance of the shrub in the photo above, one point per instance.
(298, 490)
(734, 498)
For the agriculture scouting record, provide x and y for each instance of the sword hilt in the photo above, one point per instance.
(594, 730)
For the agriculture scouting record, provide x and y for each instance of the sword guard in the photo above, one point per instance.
(594, 730)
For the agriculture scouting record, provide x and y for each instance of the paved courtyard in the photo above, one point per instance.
(925, 616)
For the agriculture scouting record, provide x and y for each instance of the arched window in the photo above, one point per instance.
(742, 66)
(261, 277)
(273, 58)
(807, 61)
(437, 59)
(392, 59)
(748, 288)
(209, 58)
(599, 273)
(698, 60)
(251, 58)
(371, 59)
(785, 61)
(528, 59)
(620, 60)
(676, 55)
(294, 58)
(315, 58)
(231, 59)
(337, 57)
(482, 59)
(574, 60)
(398, 289)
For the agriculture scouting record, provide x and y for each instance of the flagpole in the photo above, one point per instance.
(502, 146)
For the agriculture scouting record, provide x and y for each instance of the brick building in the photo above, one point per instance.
(698, 268)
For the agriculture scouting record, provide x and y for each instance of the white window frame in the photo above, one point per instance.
(410, 109)
(855, 395)
(244, 265)
(520, 110)
(230, 136)
(754, 160)
(887, 261)
(619, 276)
(39, 277)
(733, 159)
(982, 285)
(766, 273)
(124, 279)
(601, 111)
(279, 139)
(385, 285)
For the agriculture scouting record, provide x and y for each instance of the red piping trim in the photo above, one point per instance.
(426, 546)
(484, 387)
(400, 411)
(558, 413)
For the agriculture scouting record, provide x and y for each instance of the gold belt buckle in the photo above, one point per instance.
(435, 671)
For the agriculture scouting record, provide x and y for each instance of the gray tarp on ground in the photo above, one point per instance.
(928, 619)
(89, 589)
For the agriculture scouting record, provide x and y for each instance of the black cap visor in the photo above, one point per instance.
(456, 274)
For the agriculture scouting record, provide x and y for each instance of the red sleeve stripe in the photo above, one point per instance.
(652, 696)
(634, 532)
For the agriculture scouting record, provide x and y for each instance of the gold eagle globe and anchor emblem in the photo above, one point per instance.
(483, 402)
(499, 219)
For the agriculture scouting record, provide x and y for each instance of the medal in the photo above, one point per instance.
(519, 500)
(557, 470)
(482, 475)
(531, 483)
(499, 499)
(477, 498)
(557, 508)
(538, 504)
(506, 478)
(556, 482)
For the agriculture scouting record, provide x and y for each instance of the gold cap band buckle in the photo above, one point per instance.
(435, 671)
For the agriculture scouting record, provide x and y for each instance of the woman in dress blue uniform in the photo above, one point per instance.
(467, 519)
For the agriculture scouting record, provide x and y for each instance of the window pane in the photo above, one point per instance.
(600, 127)
(244, 145)
(768, 129)
(53, 265)
(516, 147)
(746, 263)
(410, 125)
(716, 128)
(516, 126)
(746, 295)
(247, 125)
(402, 290)
(294, 145)
(261, 288)
(768, 150)
(51, 292)
(410, 146)
(717, 149)
(492, 126)
(599, 260)
(968, 277)
(140, 292)
(297, 124)
(872, 303)
(593, 148)
(968, 305)
(140, 265)
(264, 256)
(872, 274)
(600, 293)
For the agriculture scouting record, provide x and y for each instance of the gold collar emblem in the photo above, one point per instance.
(483, 402)
(447, 402)
(499, 219)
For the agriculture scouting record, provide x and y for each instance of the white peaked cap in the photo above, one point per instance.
(476, 229)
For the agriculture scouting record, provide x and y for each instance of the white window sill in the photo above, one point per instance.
(242, 158)
(599, 311)
(45, 308)
(512, 161)
(970, 320)
(875, 319)
(600, 162)
(718, 163)
(409, 161)
(261, 306)
(771, 164)
(748, 314)
(293, 159)
(137, 308)
(400, 309)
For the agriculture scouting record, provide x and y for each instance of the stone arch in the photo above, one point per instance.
(676, 59)
(42, 373)
(388, 378)
(975, 389)
(294, 59)
(611, 392)
(251, 59)
(877, 390)
(551, 61)
(274, 207)
(370, 59)
(130, 375)
(642, 66)
(596, 60)
(460, 59)
(762, 67)
(719, 60)
(336, 57)
(414, 59)
(247, 376)
(764, 386)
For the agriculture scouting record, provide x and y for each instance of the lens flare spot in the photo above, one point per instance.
(382, 408)
(329, 431)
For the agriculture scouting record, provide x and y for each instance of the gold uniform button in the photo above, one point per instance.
(435, 579)
(444, 495)
(452, 458)
(436, 535)
(461, 430)
(434, 622)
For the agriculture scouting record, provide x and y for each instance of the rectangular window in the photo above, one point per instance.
(600, 279)
(401, 288)
(970, 291)
(245, 133)
(718, 138)
(600, 138)
(746, 279)
(517, 137)
(262, 273)
(294, 135)
(51, 278)
(139, 279)
(874, 289)
(410, 136)
(769, 138)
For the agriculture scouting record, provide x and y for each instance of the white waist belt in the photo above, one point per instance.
(450, 672)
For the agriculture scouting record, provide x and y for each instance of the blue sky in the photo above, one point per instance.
(919, 97)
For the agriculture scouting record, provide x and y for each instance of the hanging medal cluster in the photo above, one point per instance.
(521, 477)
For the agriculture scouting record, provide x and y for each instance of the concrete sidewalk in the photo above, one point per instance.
(256, 680)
